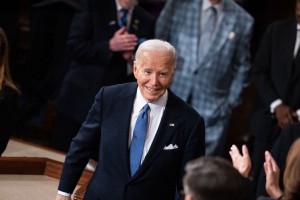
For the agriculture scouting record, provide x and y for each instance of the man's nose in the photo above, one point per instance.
(153, 79)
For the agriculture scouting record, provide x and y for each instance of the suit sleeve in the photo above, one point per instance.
(82, 44)
(262, 73)
(83, 146)
(242, 66)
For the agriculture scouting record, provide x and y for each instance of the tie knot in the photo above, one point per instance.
(213, 10)
(124, 11)
(145, 108)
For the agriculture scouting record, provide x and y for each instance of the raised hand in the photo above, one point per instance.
(242, 162)
(272, 172)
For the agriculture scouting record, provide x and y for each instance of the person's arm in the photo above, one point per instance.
(264, 61)
(241, 66)
(242, 162)
(84, 46)
(272, 172)
(84, 145)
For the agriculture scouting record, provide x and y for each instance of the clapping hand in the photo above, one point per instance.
(241, 162)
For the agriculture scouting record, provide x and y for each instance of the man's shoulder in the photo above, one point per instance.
(182, 106)
(143, 13)
(282, 23)
(239, 12)
(121, 87)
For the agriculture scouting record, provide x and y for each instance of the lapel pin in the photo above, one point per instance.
(231, 35)
(171, 124)
(111, 23)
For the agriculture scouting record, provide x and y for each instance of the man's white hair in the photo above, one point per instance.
(156, 45)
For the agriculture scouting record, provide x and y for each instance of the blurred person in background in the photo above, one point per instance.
(9, 93)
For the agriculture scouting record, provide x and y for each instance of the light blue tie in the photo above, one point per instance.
(208, 31)
(138, 140)
(123, 17)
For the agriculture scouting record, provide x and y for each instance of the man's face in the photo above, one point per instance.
(126, 3)
(297, 11)
(215, 1)
(154, 74)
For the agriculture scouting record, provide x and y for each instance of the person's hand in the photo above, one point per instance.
(61, 197)
(242, 162)
(123, 41)
(284, 115)
(272, 172)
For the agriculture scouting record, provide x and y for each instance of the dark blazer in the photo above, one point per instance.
(106, 131)
(274, 62)
(8, 115)
(93, 65)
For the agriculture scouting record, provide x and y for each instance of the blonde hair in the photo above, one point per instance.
(5, 76)
(291, 177)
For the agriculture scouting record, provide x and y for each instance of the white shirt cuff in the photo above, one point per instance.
(274, 104)
(298, 114)
(63, 193)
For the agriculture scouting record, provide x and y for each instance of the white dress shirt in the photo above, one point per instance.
(155, 114)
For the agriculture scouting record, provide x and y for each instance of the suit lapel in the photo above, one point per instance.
(125, 105)
(165, 130)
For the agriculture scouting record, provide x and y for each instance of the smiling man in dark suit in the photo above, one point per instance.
(175, 134)
(103, 37)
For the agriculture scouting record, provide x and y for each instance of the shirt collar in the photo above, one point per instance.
(140, 101)
(119, 7)
(207, 4)
(298, 27)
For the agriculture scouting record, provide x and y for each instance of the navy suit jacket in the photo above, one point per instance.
(106, 131)
(93, 65)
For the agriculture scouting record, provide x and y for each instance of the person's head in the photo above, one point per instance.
(213, 178)
(5, 77)
(154, 67)
(297, 11)
(127, 4)
(291, 178)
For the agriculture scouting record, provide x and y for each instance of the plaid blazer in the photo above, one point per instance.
(217, 81)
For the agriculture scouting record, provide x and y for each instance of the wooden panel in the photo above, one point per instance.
(22, 165)
(37, 166)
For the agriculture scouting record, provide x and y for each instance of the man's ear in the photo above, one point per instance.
(134, 68)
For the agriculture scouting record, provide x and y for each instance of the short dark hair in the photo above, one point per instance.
(214, 178)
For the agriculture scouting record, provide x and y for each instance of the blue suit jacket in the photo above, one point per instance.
(217, 81)
(106, 131)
